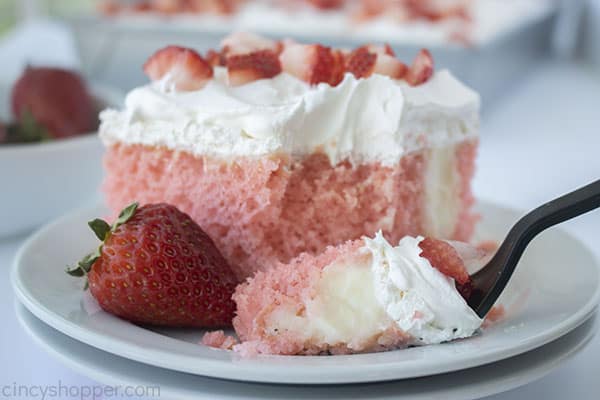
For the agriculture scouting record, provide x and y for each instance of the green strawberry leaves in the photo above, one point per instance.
(26, 130)
(100, 227)
(102, 230)
(125, 215)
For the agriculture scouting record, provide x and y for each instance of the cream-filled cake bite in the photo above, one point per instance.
(279, 148)
(363, 296)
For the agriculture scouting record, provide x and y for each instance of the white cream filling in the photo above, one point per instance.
(364, 120)
(344, 309)
(442, 184)
(355, 301)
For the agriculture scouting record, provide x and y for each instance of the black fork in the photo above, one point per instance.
(490, 281)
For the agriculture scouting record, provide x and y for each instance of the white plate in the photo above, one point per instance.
(555, 287)
(462, 385)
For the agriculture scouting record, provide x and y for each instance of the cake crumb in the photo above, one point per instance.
(218, 340)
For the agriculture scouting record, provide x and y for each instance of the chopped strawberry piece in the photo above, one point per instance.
(437, 11)
(445, 259)
(390, 66)
(370, 59)
(381, 49)
(327, 4)
(465, 289)
(166, 6)
(244, 68)
(371, 8)
(222, 7)
(141, 6)
(488, 246)
(215, 58)
(244, 43)
(361, 62)
(185, 68)
(313, 63)
(421, 69)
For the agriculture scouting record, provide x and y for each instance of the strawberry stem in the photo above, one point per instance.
(102, 230)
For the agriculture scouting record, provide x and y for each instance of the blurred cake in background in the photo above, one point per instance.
(277, 148)
(466, 22)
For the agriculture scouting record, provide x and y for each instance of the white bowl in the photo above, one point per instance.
(40, 181)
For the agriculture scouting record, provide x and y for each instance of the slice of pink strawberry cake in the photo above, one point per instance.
(363, 296)
(278, 148)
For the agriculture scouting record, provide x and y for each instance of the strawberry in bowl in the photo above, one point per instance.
(50, 103)
(48, 146)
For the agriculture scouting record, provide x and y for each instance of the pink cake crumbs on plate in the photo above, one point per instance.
(218, 340)
(332, 303)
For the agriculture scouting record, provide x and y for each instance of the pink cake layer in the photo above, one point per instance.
(292, 286)
(260, 211)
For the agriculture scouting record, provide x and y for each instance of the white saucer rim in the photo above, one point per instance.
(481, 388)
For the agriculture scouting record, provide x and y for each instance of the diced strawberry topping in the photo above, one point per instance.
(166, 6)
(465, 289)
(436, 10)
(421, 69)
(327, 4)
(141, 6)
(361, 62)
(371, 8)
(390, 66)
(186, 69)
(249, 57)
(244, 43)
(313, 63)
(223, 7)
(370, 59)
(445, 259)
(215, 58)
(381, 49)
(244, 68)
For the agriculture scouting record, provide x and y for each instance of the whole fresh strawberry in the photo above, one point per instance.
(56, 99)
(156, 266)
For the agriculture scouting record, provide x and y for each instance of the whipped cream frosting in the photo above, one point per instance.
(363, 120)
(420, 299)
